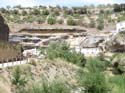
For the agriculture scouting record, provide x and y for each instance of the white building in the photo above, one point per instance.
(120, 26)
(89, 51)
(31, 52)
(90, 45)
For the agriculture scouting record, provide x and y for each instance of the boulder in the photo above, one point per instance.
(4, 29)
(116, 43)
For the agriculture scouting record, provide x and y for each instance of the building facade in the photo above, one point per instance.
(120, 27)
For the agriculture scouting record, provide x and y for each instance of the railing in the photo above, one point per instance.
(13, 62)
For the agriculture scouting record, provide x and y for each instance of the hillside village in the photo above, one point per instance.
(47, 49)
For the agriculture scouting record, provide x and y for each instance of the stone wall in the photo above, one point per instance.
(4, 29)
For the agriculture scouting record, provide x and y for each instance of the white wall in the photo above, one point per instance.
(31, 52)
(89, 51)
(120, 26)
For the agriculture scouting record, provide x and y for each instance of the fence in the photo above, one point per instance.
(13, 62)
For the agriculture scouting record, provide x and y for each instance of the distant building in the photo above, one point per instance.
(90, 45)
(120, 27)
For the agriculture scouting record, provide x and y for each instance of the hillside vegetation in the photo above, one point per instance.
(9, 52)
(91, 16)
(59, 73)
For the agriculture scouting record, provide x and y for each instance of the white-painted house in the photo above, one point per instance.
(90, 45)
(120, 27)
(89, 51)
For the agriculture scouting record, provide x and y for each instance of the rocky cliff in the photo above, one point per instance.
(116, 43)
(4, 29)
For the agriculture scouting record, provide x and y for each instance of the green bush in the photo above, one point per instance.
(95, 64)
(100, 26)
(60, 21)
(62, 50)
(45, 87)
(93, 82)
(45, 12)
(24, 13)
(93, 78)
(36, 12)
(100, 23)
(17, 78)
(30, 19)
(71, 22)
(51, 20)
(118, 83)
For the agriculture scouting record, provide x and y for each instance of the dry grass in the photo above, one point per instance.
(5, 84)
(9, 51)
(4, 88)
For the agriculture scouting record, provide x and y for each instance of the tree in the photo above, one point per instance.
(45, 12)
(14, 12)
(100, 23)
(3, 10)
(93, 78)
(24, 12)
(119, 7)
(18, 6)
(36, 12)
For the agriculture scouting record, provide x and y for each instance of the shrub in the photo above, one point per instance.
(71, 22)
(24, 13)
(100, 26)
(93, 79)
(51, 20)
(45, 12)
(60, 21)
(118, 63)
(17, 78)
(95, 83)
(62, 50)
(30, 19)
(45, 87)
(95, 64)
(118, 82)
(56, 13)
(36, 12)
(100, 23)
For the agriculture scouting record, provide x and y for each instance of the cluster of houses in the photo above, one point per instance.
(95, 44)
(90, 45)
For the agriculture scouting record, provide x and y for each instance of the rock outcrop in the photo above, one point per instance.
(91, 42)
(4, 29)
(117, 43)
